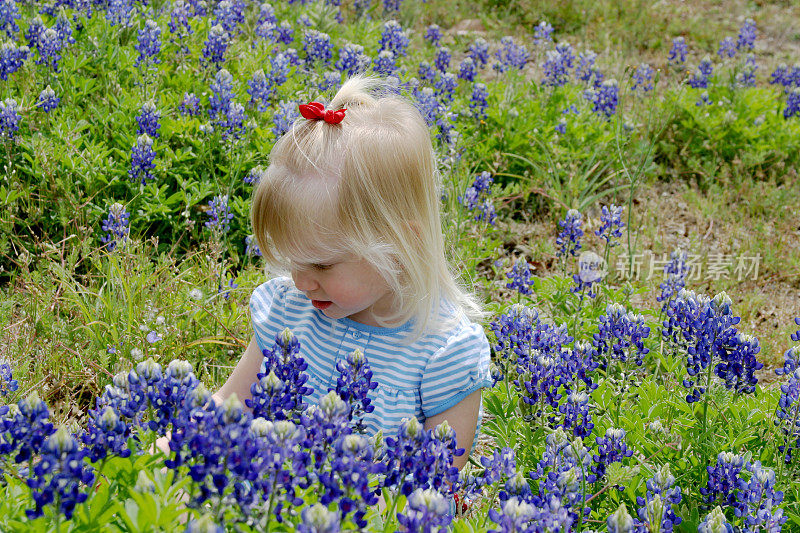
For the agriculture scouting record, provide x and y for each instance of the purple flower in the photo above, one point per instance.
(621, 335)
(153, 337)
(747, 77)
(48, 99)
(478, 100)
(569, 239)
(9, 14)
(352, 59)
(219, 216)
(385, 63)
(318, 519)
(116, 226)
(655, 509)
(285, 33)
(477, 197)
(467, 70)
(149, 43)
(792, 104)
(426, 72)
(543, 33)
(604, 98)
(260, 90)
(715, 522)
(354, 385)
(699, 79)
(119, 12)
(675, 272)
(229, 14)
(612, 224)
(24, 431)
(318, 47)
(510, 55)
(148, 119)
(179, 19)
(585, 68)
(479, 52)
(427, 511)
(9, 118)
(557, 65)
(433, 33)
(11, 58)
(610, 449)
(394, 39)
(105, 432)
(190, 105)
(251, 247)
(520, 277)
(643, 78)
(284, 118)
(50, 47)
(7, 383)
(280, 65)
(445, 87)
(727, 47)
(392, 6)
(442, 59)
(222, 88)
(677, 54)
(142, 156)
(747, 35)
(216, 45)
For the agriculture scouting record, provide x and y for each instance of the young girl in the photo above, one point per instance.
(350, 206)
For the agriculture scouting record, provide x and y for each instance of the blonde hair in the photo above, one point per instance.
(366, 186)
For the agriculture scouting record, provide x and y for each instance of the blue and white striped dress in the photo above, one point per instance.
(421, 379)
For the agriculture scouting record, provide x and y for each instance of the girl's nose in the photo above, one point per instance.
(304, 280)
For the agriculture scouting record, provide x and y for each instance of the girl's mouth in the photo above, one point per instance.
(321, 305)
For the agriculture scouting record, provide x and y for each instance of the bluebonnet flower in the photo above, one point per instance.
(225, 287)
(9, 118)
(318, 519)
(747, 35)
(148, 118)
(278, 394)
(655, 509)
(25, 428)
(416, 458)
(229, 14)
(747, 76)
(7, 382)
(385, 63)
(251, 248)
(267, 30)
(675, 271)
(317, 46)
(723, 480)
(285, 32)
(643, 78)
(542, 33)
(727, 47)
(520, 277)
(204, 524)
(233, 125)
(179, 19)
(620, 521)
(284, 117)
(621, 335)
(34, 32)
(255, 175)
(50, 47)
(352, 59)
(280, 65)
(699, 79)
(260, 90)
(354, 385)
(610, 449)
(222, 88)
(761, 500)
(705, 99)
(105, 433)
(392, 6)
(557, 65)
(792, 104)
(584, 70)
(442, 59)
(11, 58)
(704, 327)
(467, 69)
(119, 12)
(715, 522)
(426, 71)
(478, 100)
(479, 52)
(510, 55)
(561, 126)
(786, 414)
(394, 39)
(266, 13)
(116, 226)
(219, 216)
(153, 337)
(216, 45)
(569, 239)
(445, 87)
(677, 54)
(612, 224)
(604, 98)
(149, 43)
(796, 335)
(190, 105)
(577, 414)
(48, 99)
(477, 198)
(59, 475)
(361, 7)
(142, 156)
(426, 509)
(433, 33)
(9, 14)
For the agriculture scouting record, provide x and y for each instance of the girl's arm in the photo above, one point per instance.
(463, 418)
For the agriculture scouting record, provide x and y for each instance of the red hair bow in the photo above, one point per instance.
(317, 111)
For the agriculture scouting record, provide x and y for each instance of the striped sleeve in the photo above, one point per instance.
(456, 370)
(266, 311)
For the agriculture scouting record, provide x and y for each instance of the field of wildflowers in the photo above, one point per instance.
(132, 133)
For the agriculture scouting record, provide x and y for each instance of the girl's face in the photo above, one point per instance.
(344, 287)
